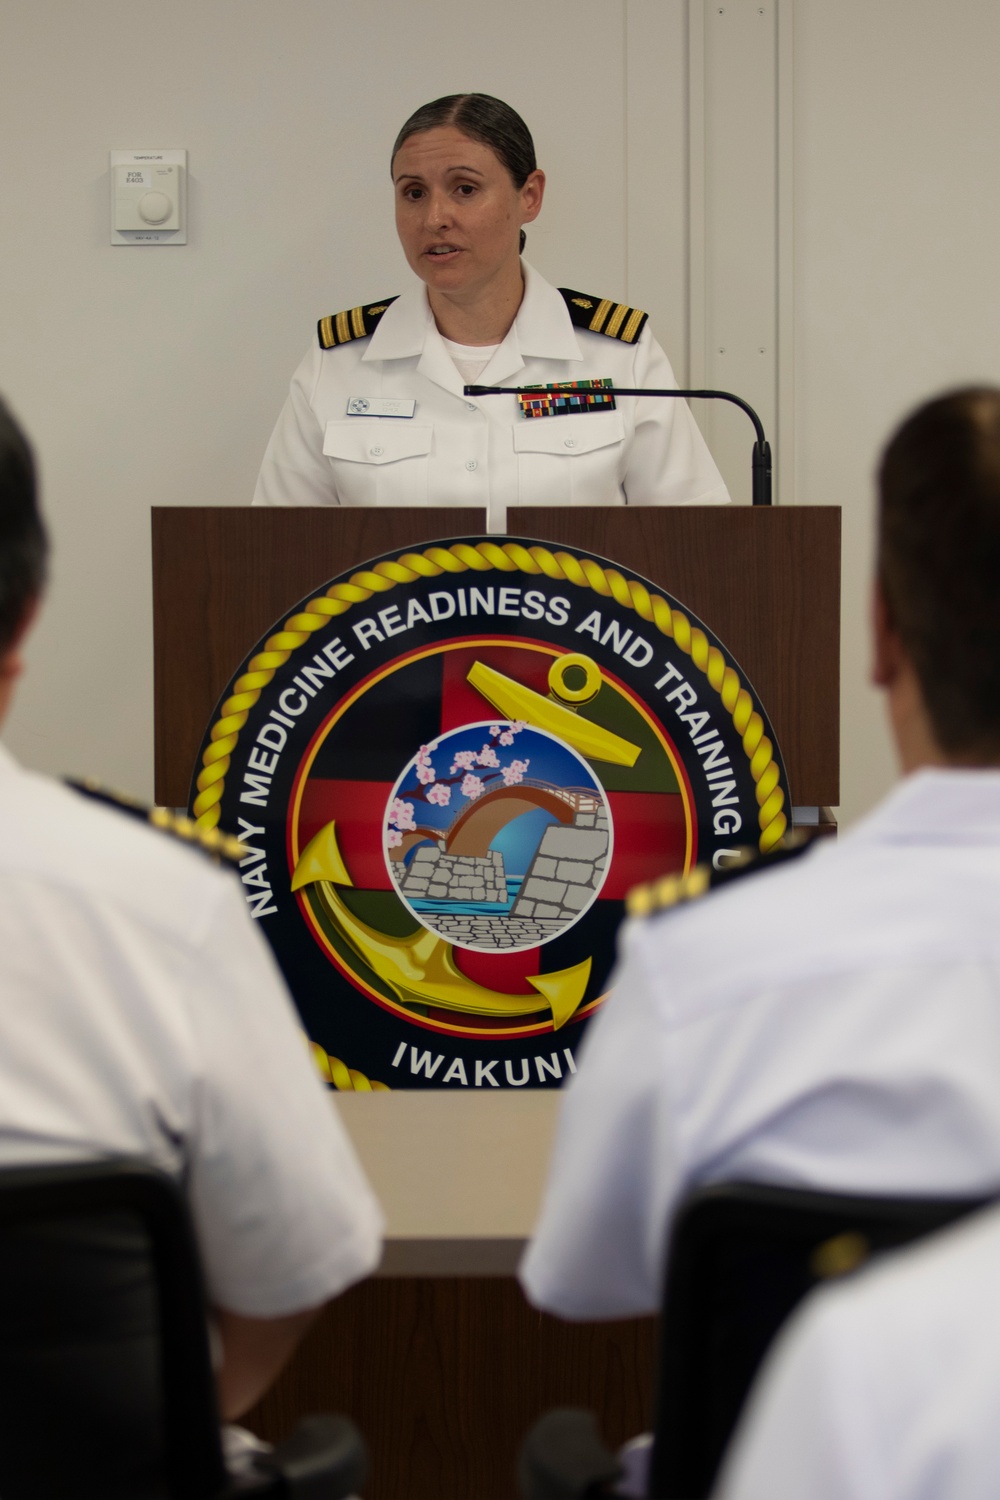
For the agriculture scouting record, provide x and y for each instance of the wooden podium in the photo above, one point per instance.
(766, 581)
(438, 1358)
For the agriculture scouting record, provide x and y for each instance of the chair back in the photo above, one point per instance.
(106, 1383)
(741, 1257)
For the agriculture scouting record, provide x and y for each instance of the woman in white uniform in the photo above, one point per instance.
(376, 414)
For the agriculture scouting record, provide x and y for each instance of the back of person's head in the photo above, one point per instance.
(939, 562)
(23, 543)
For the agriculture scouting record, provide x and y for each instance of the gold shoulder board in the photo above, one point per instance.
(356, 323)
(221, 846)
(615, 319)
(673, 890)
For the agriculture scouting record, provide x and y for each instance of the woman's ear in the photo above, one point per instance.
(532, 193)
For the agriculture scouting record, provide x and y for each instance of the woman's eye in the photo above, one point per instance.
(466, 189)
(413, 194)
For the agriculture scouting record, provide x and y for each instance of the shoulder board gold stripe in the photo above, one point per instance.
(355, 323)
(631, 328)
(669, 890)
(212, 840)
(597, 321)
(617, 319)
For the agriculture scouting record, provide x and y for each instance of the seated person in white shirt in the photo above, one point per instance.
(833, 1022)
(884, 1387)
(144, 1015)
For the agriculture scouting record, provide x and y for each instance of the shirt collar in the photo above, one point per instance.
(541, 330)
(402, 329)
(543, 325)
(937, 805)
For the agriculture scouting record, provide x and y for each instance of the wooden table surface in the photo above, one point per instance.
(438, 1357)
(459, 1176)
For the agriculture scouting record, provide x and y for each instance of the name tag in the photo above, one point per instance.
(379, 406)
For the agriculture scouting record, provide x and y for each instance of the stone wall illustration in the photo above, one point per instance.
(494, 933)
(436, 876)
(566, 871)
(564, 876)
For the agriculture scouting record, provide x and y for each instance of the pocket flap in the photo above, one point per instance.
(569, 436)
(376, 441)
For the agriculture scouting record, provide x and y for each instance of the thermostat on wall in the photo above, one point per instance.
(149, 197)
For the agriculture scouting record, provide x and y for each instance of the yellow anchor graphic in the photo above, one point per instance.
(519, 702)
(421, 969)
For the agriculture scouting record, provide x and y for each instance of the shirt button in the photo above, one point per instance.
(376, 452)
(471, 406)
(570, 442)
(471, 465)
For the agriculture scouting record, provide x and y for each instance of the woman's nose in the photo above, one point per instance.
(438, 210)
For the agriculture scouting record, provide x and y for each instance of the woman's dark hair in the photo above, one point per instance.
(482, 118)
(939, 561)
(23, 542)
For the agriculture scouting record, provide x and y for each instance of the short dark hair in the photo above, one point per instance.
(23, 541)
(939, 561)
(482, 118)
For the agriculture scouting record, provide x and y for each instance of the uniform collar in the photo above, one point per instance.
(541, 330)
(543, 325)
(939, 805)
(408, 331)
(402, 329)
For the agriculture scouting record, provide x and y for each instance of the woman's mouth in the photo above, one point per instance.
(441, 252)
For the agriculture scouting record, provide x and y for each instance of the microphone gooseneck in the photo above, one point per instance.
(760, 463)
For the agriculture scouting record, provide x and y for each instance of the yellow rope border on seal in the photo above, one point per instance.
(346, 1079)
(484, 557)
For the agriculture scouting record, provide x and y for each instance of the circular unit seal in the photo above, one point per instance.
(448, 768)
(506, 844)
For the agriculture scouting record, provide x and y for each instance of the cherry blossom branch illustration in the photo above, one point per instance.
(437, 790)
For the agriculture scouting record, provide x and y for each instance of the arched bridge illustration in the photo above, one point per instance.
(476, 826)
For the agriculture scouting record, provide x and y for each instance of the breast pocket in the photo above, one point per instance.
(379, 461)
(571, 460)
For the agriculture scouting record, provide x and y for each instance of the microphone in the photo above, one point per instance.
(760, 461)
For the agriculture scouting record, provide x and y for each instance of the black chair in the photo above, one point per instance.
(741, 1257)
(106, 1383)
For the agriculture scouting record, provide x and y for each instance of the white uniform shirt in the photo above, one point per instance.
(482, 452)
(831, 1023)
(886, 1387)
(144, 1015)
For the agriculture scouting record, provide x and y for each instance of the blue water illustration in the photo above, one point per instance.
(471, 908)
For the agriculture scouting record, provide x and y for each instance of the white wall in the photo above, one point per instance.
(153, 376)
(897, 243)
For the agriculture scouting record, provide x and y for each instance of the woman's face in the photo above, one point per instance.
(458, 213)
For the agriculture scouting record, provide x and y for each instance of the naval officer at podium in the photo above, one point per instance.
(376, 413)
